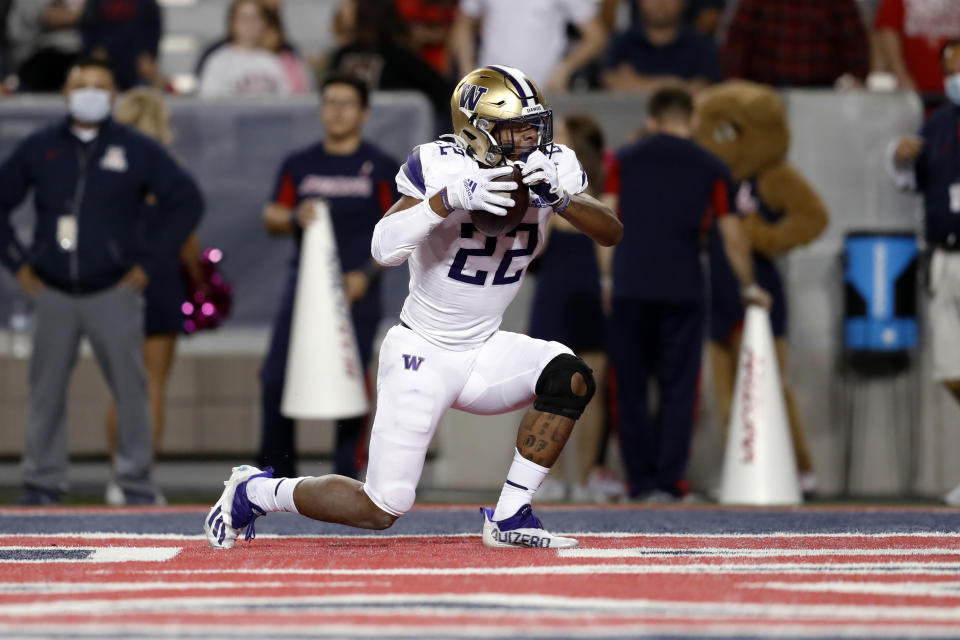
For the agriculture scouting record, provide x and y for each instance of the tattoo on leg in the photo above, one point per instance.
(541, 436)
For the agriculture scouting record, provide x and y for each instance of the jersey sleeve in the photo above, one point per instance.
(429, 168)
(573, 178)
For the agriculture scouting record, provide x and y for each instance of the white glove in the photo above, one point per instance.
(477, 191)
(540, 174)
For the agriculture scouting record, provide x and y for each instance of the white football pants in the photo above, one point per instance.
(418, 381)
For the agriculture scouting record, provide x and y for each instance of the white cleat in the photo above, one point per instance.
(522, 530)
(234, 511)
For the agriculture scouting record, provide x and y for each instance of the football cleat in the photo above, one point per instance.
(519, 531)
(234, 511)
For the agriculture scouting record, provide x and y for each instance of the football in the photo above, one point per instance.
(493, 225)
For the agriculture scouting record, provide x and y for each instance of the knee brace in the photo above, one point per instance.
(554, 387)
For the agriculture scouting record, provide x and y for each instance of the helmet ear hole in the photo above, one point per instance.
(481, 146)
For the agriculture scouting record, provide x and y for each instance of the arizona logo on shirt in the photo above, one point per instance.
(115, 159)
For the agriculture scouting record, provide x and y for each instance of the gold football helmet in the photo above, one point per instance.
(490, 104)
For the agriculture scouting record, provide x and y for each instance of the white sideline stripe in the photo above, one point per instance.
(726, 552)
(528, 605)
(924, 568)
(925, 589)
(100, 554)
(88, 535)
(543, 630)
(94, 587)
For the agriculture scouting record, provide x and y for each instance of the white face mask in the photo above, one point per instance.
(951, 85)
(89, 105)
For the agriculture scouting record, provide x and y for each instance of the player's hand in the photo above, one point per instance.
(355, 285)
(754, 294)
(29, 281)
(540, 174)
(306, 213)
(477, 191)
(908, 149)
(135, 279)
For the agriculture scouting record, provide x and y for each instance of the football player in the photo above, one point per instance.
(447, 351)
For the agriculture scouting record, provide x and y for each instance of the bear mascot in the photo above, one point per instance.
(746, 125)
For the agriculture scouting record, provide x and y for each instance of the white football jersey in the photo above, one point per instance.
(462, 281)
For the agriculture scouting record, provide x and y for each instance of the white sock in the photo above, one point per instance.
(523, 480)
(273, 494)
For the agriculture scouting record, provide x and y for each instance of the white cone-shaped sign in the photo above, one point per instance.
(759, 467)
(324, 378)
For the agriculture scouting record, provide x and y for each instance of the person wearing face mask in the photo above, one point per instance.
(86, 269)
(929, 163)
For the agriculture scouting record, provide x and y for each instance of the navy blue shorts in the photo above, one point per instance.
(164, 295)
(566, 304)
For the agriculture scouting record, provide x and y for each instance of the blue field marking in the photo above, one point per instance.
(584, 520)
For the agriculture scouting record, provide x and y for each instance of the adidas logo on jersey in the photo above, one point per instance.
(412, 362)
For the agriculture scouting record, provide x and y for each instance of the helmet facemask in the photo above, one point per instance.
(494, 141)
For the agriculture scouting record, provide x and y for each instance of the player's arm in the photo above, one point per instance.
(593, 218)
(586, 213)
(410, 220)
(737, 247)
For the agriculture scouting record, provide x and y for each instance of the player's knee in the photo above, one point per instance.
(400, 499)
(565, 386)
(380, 519)
(388, 504)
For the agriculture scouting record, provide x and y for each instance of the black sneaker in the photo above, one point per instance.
(38, 497)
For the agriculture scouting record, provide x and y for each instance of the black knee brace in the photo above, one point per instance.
(554, 393)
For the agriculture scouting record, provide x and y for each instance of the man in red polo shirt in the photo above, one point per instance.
(910, 35)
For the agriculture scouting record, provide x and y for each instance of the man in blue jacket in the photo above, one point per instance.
(930, 163)
(87, 267)
(671, 193)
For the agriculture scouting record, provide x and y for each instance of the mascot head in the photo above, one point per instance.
(745, 124)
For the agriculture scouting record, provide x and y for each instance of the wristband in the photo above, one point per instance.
(749, 289)
(560, 208)
(446, 203)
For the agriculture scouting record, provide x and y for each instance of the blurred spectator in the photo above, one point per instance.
(530, 35)
(660, 50)
(244, 65)
(930, 163)
(796, 43)
(356, 180)
(670, 192)
(430, 22)
(127, 33)
(275, 39)
(703, 16)
(567, 308)
(44, 40)
(144, 110)
(87, 268)
(909, 36)
(299, 74)
(377, 51)
(4, 51)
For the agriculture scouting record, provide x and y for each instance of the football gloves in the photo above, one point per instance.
(477, 191)
(540, 174)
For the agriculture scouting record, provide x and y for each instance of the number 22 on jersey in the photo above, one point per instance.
(467, 230)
